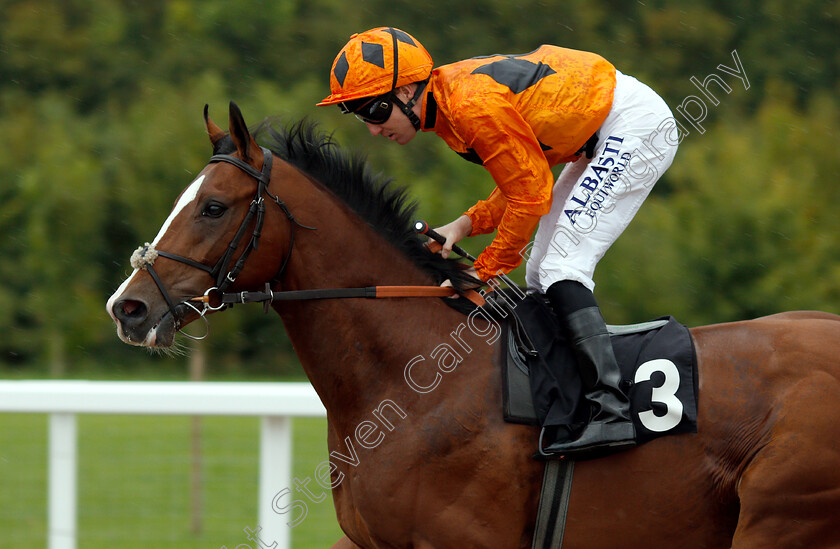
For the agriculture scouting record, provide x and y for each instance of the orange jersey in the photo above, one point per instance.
(518, 116)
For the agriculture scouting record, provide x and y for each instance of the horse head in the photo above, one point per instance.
(201, 249)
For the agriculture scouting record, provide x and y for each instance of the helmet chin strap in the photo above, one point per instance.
(406, 108)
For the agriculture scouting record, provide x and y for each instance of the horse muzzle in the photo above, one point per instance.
(138, 324)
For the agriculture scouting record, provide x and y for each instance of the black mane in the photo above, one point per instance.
(375, 198)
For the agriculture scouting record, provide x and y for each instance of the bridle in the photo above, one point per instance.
(222, 272)
(224, 275)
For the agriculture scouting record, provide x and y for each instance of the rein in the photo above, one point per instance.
(224, 275)
(267, 296)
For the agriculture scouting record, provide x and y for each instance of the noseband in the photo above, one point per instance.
(222, 272)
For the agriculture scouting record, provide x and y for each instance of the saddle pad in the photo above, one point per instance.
(542, 385)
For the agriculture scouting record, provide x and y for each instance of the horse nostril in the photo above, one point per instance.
(130, 306)
(130, 311)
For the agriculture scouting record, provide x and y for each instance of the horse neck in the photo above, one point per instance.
(354, 350)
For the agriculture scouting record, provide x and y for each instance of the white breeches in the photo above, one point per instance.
(594, 200)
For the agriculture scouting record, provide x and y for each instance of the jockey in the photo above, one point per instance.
(519, 115)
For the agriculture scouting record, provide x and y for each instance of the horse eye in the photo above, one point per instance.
(213, 209)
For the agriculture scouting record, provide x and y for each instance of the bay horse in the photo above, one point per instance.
(420, 454)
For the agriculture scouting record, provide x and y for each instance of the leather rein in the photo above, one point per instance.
(224, 274)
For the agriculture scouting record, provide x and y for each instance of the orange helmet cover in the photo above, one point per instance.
(365, 65)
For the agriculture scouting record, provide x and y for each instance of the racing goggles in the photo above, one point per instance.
(376, 111)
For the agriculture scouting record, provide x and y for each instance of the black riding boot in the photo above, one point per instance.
(610, 426)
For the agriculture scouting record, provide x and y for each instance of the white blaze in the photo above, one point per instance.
(186, 197)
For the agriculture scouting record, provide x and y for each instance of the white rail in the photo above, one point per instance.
(274, 403)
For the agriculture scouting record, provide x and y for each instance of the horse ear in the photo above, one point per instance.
(248, 149)
(214, 131)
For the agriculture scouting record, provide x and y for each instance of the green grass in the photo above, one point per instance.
(134, 482)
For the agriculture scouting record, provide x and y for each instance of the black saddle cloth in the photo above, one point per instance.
(657, 362)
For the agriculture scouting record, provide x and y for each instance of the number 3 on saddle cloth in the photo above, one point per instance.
(541, 385)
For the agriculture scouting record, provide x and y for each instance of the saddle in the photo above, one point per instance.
(542, 387)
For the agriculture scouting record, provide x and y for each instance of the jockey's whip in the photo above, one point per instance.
(421, 227)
